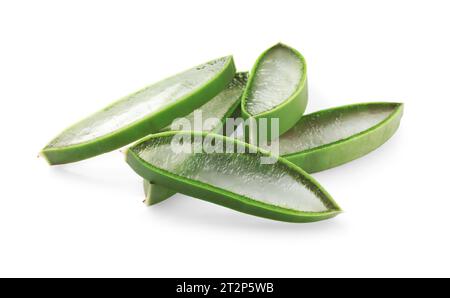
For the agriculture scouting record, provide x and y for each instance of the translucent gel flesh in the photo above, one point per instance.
(140, 104)
(325, 128)
(277, 77)
(219, 105)
(240, 173)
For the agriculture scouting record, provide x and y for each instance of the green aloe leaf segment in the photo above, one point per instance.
(240, 181)
(332, 137)
(276, 91)
(141, 113)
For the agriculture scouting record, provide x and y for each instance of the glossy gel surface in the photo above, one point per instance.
(138, 105)
(240, 173)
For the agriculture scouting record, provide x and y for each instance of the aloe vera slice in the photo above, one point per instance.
(224, 105)
(141, 113)
(332, 137)
(277, 89)
(279, 191)
(220, 107)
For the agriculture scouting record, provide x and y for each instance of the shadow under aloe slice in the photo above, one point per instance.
(141, 113)
(279, 191)
(224, 105)
(276, 90)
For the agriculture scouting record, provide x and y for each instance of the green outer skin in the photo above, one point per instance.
(345, 150)
(155, 193)
(291, 110)
(143, 127)
(225, 198)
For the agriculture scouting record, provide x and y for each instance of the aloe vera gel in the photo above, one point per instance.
(240, 173)
(276, 79)
(329, 138)
(327, 128)
(235, 180)
(183, 142)
(145, 111)
(276, 94)
(218, 109)
(137, 105)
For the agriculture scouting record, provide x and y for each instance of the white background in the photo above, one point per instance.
(61, 60)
